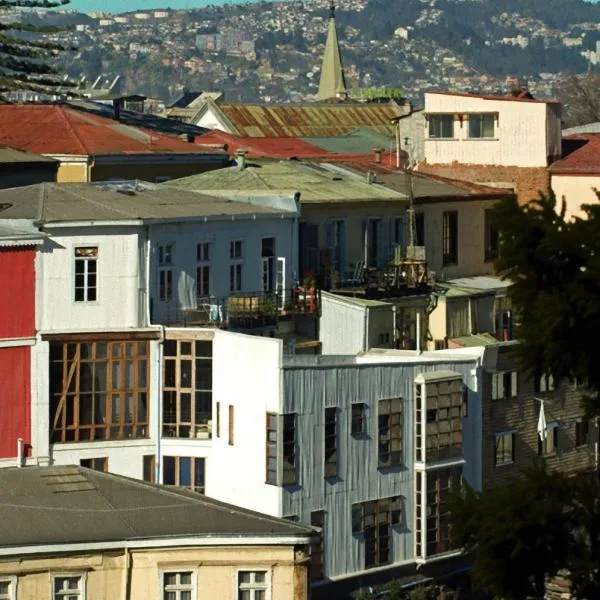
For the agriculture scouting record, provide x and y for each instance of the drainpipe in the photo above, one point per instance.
(157, 453)
(395, 331)
(366, 329)
(126, 573)
(418, 332)
(20, 452)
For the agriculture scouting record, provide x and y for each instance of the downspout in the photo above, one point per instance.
(20, 452)
(147, 279)
(418, 332)
(366, 329)
(395, 330)
(126, 574)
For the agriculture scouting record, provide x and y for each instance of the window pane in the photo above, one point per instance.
(185, 471)
(169, 471)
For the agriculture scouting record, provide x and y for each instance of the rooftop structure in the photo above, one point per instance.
(332, 84)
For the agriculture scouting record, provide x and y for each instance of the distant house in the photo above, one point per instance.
(24, 168)
(71, 532)
(576, 177)
(494, 140)
(90, 147)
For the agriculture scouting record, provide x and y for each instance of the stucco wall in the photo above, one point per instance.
(576, 190)
(72, 172)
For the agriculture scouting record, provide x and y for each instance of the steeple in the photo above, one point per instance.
(332, 83)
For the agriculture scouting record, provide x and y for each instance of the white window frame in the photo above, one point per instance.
(178, 569)
(165, 269)
(481, 116)
(12, 581)
(440, 116)
(498, 385)
(551, 432)
(497, 435)
(267, 586)
(236, 266)
(86, 261)
(204, 251)
(545, 383)
(82, 575)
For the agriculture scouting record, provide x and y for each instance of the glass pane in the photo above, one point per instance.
(185, 471)
(199, 472)
(203, 374)
(204, 348)
(186, 578)
(259, 595)
(185, 348)
(260, 576)
(185, 374)
(185, 403)
(169, 373)
(142, 415)
(4, 585)
(244, 576)
(245, 595)
(142, 373)
(185, 595)
(169, 472)
(170, 596)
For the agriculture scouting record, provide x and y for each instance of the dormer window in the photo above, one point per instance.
(441, 126)
(482, 125)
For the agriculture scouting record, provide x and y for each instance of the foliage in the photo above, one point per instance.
(24, 52)
(554, 265)
(580, 95)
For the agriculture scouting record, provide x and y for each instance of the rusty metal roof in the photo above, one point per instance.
(308, 120)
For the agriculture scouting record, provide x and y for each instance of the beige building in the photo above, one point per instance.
(70, 533)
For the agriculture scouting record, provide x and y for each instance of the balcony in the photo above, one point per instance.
(248, 311)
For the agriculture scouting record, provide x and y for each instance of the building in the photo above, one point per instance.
(576, 177)
(24, 168)
(332, 84)
(95, 148)
(481, 139)
(71, 532)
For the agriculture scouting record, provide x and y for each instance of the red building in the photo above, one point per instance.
(18, 241)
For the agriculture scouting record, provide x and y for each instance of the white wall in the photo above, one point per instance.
(209, 120)
(341, 326)
(520, 132)
(577, 190)
(184, 238)
(118, 280)
(246, 375)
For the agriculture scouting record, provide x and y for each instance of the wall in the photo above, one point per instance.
(308, 390)
(521, 414)
(413, 128)
(17, 292)
(18, 174)
(215, 567)
(15, 399)
(184, 238)
(520, 125)
(72, 172)
(341, 326)
(246, 375)
(119, 280)
(576, 190)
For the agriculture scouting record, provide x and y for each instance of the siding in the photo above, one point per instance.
(17, 292)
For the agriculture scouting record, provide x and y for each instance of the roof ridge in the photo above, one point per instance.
(62, 111)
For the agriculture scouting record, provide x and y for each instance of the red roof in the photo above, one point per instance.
(278, 148)
(583, 160)
(57, 129)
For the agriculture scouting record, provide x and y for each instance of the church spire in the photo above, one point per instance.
(332, 83)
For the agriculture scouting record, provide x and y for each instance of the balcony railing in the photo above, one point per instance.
(248, 310)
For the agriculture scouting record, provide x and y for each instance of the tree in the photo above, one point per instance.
(580, 95)
(24, 52)
(554, 267)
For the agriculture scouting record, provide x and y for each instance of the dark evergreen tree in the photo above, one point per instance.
(24, 53)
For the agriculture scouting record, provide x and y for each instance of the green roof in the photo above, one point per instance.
(317, 183)
(359, 141)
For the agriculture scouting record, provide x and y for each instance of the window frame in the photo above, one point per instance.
(358, 424)
(478, 120)
(289, 449)
(389, 433)
(204, 253)
(267, 587)
(196, 486)
(318, 518)
(85, 261)
(81, 592)
(330, 442)
(93, 463)
(13, 582)
(178, 570)
(236, 265)
(165, 271)
(502, 435)
(582, 423)
(450, 236)
(544, 383)
(499, 377)
(551, 434)
(441, 120)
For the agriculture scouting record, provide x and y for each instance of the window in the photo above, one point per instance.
(441, 126)
(582, 428)
(97, 464)
(187, 389)
(268, 264)
(419, 229)
(549, 445)
(481, 125)
(504, 385)
(236, 249)
(330, 467)
(544, 383)
(178, 585)
(450, 238)
(149, 468)
(231, 425)
(86, 274)
(335, 240)
(98, 390)
(185, 471)
(317, 519)
(440, 483)
(252, 585)
(271, 449)
(443, 422)
(384, 338)
(8, 588)
(69, 587)
(165, 272)
(465, 402)
(389, 435)
(504, 449)
(289, 449)
(203, 254)
(374, 520)
(358, 425)
(491, 235)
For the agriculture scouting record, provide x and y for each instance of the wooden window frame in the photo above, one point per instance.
(197, 465)
(86, 261)
(389, 433)
(271, 462)
(501, 451)
(544, 383)
(317, 548)
(330, 442)
(96, 464)
(187, 408)
(289, 452)
(450, 238)
(149, 468)
(358, 419)
(443, 419)
(113, 405)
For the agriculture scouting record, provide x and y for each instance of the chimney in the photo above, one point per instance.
(370, 177)
(377, 150)
(240, 157)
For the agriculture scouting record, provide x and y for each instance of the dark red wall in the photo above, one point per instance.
(17, 292)
(15, 399)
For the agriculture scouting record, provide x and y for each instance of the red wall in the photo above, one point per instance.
(17, 292)
(15, 399)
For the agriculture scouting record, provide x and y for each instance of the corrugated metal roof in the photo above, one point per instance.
(583, 160)
(308, 120)
(12, 155)
(358, 141)
(56, 202)
(19, 232)
(63, 505)
(475, 340)
(317, 183)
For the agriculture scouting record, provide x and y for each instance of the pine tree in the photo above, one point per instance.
(24, 53)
